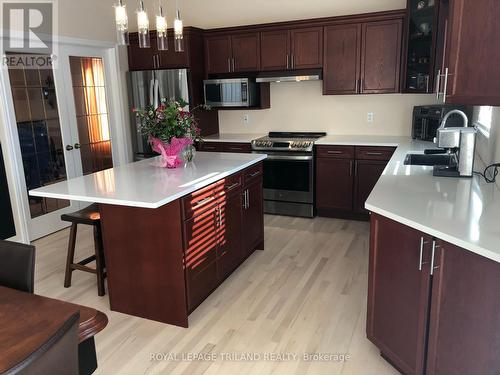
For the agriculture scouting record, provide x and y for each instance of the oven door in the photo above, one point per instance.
(288, 177)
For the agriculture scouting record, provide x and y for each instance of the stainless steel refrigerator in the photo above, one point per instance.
(149, 87)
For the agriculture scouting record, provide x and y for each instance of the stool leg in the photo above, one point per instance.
(71, 255)
(99, 261)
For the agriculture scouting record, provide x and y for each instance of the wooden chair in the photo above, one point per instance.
(17, 266)
(57, 356)
(87, 216)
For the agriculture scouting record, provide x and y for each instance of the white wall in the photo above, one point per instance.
(302, 107)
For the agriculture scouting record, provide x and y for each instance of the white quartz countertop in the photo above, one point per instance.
(462, 211)
(142, 184)
(236, 137)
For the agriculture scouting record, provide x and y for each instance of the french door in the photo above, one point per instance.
(61, 128)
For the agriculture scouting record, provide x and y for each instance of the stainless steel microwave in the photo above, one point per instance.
(234, 92)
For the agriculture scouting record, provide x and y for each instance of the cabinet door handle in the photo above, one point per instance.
(373, 153)
(236, 148)
(254, 174)
(361, 85)
(229, 65)
(287, 61)
(438, 84)
(355, 168)
(248, 199)
(219, 211)
(421, 258)
(232, 186)
(293, 61)
(334, 152)
(434, 247)
(350, 168)
(202, 202)
(445, 84)
(357, 86)
(233, 64)
(245, 200)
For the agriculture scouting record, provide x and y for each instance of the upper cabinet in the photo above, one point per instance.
(232, 53)
(300, 48)
(363, 58)
(275, 50)
(381, 57)
(152, 58)
(470, 73)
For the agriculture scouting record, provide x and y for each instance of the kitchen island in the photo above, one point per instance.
(171, 236)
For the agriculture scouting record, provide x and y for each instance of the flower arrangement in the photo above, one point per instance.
(170, 130)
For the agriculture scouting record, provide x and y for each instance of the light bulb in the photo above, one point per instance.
(143, 26)
(161, 31)
(178, 33)
(121, 20)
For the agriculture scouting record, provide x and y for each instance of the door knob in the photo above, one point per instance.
(69, 148)
(77, 146)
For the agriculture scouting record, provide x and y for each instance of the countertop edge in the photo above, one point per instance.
(139, 204)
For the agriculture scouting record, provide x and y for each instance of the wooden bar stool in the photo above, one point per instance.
(87, 216)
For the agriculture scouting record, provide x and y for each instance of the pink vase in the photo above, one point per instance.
(170, 152)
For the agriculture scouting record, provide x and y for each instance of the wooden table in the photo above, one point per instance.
(28, 320)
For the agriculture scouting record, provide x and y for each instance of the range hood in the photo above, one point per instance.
(290, 76)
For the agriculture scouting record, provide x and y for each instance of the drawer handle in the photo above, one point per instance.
(233, 186)
(254, 174)
(236, 148)
(202, 202)
(374, 153)
(335, 152)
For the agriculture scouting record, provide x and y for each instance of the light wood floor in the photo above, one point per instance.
(306, 293)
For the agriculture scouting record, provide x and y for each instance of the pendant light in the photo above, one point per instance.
(121, 20)
(143, 26)
(161, 30)
(178, 30)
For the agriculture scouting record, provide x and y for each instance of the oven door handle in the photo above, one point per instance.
(290, 157)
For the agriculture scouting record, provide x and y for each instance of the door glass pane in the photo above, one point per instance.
(37, 118)
(92, 119)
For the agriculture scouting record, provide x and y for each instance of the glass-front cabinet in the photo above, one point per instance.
(423, 45)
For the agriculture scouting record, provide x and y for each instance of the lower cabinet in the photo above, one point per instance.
(345, 177)
(439, 320)
(223, 226)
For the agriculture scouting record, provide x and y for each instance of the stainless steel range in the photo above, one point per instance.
(288, 172)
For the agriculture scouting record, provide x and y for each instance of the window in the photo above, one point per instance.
(484, 120)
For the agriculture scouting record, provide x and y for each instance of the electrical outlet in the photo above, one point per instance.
(369, 117)
(246, 119)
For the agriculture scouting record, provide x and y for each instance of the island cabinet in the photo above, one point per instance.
(355, 172)
(236, 147)
(224, 225)
(163, 262)
(432, 306)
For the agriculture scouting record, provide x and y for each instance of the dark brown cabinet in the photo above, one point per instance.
(223, 225)
(432, 306)
(235, 147)
(300, 48)
(472, 57)
(152, 58)
(363, 58)
(274, 50)
(381, 57)
(464, 329)
(200, 244)
(334, 184)
(218, 54)
(253, 224)
(232, 53)
(398, 293)
(345, 177)
(341, 68)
